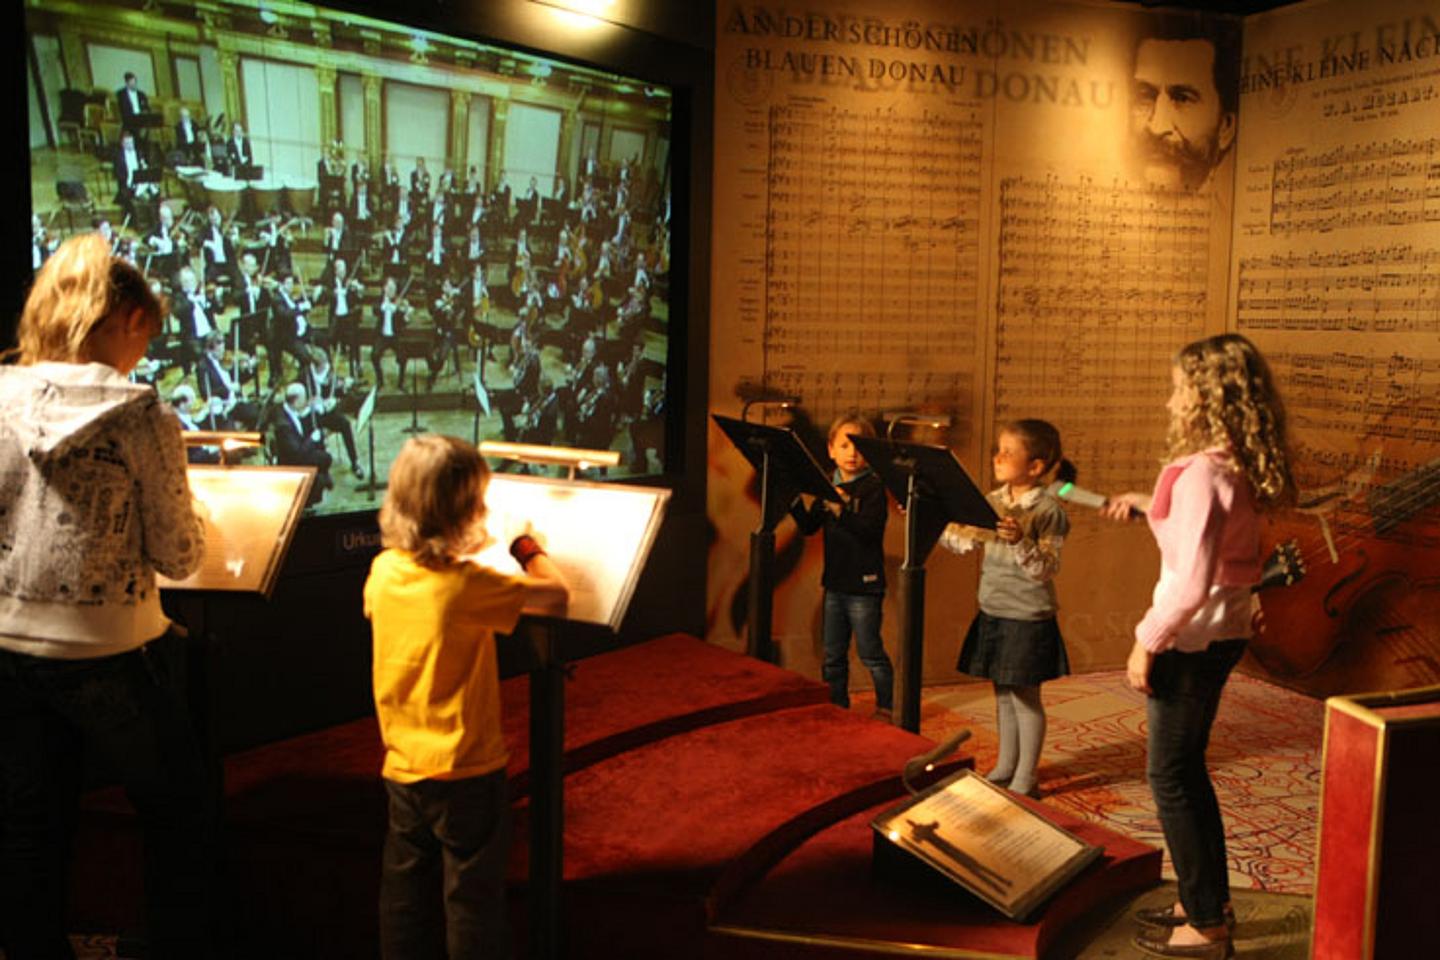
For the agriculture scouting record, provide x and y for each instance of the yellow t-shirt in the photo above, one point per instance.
(437, 688)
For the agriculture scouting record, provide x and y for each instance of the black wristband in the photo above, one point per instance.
(525, 548)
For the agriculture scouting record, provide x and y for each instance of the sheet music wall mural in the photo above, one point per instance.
(967, 210)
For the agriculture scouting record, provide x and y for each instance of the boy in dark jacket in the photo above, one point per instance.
(854, 577)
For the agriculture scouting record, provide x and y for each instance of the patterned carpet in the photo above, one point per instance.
(1264, 759)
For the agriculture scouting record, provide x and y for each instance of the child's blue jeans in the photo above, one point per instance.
(858, 612)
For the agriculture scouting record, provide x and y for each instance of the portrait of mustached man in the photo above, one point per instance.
(1184, 100)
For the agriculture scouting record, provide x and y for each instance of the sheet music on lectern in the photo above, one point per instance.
(250, 518)
(598, 534)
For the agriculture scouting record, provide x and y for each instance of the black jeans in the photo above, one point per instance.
(1181, 709)
(130, 711)
(442, 892)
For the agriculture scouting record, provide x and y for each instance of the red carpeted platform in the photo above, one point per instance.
(823, 901)
(697, 780)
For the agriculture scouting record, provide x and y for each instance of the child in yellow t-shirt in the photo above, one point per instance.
(437, 698)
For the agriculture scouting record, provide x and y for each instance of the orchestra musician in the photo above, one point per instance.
(290, 324)
(133, 102)
(525, 380)
(221, 386)
(330, 174)
(192, 145)
(561, 199)
(589, 204)
(339, 244)
(198, 317)
(595, 412)
(362, 204)
(642, 272)
(167, 244)
(419, 185)
(300, 441)
(342, 293)
(41, 245)
(120, 246)
(474, 249)
(437, 257)
(579, 375)
(135, 198)
(389, 191)
(275, 247)
(474, 306)
(528, 209)
(539, 418)
(237, 150)
(474, 190)
(254, 298)
(391, 315)
(217, 251)
(395, 255)
(631, 315)
(327, 392)
(182, 402)
(445, 313)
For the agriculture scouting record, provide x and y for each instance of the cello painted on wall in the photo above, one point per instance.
(1366, 614)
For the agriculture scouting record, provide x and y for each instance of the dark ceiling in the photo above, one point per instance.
(1217, 6)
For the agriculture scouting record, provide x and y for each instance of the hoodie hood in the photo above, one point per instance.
(51, 407)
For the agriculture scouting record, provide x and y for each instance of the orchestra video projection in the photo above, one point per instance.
(365, 230)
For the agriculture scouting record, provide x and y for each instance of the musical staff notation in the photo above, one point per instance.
(1099, 284)
(1392, 289)
(872, 257)
(1391, 183)
(1366, 391)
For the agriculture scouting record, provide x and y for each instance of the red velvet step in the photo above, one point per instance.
(823, 901)
(650, 834)
(305, 817)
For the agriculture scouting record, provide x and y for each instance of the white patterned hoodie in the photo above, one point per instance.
(94, 500)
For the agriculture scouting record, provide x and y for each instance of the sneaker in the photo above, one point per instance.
(358, 471)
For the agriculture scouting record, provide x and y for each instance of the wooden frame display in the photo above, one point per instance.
(979, 836)
(598, 534)
(250, 519)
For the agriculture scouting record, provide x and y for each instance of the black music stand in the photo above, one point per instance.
(249, 171)
(415, 425)
(935, 491)
(786, 469)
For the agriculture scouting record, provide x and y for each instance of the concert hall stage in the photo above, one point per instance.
(715, 806)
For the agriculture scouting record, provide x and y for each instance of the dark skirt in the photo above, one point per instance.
(1020, 653)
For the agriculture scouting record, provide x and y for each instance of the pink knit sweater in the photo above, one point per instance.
(1204, 519)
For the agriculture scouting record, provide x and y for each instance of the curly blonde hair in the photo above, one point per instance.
(80, 285)
(1236, 407)
(435, 500)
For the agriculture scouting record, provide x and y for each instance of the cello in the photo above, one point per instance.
(1366, 615)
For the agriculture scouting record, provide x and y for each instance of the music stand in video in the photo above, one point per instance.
(482, 401)
(787, 469)
(249, 171)
(936, 491)
(365, 420)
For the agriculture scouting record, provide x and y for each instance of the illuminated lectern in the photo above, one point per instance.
(599, 535)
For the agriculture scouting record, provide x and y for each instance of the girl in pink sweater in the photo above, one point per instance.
(1228, 460)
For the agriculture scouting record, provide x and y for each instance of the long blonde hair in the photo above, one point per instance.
(80, 285)
(435, 500)
(1236, 407)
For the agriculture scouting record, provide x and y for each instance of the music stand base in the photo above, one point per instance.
(912, 645)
